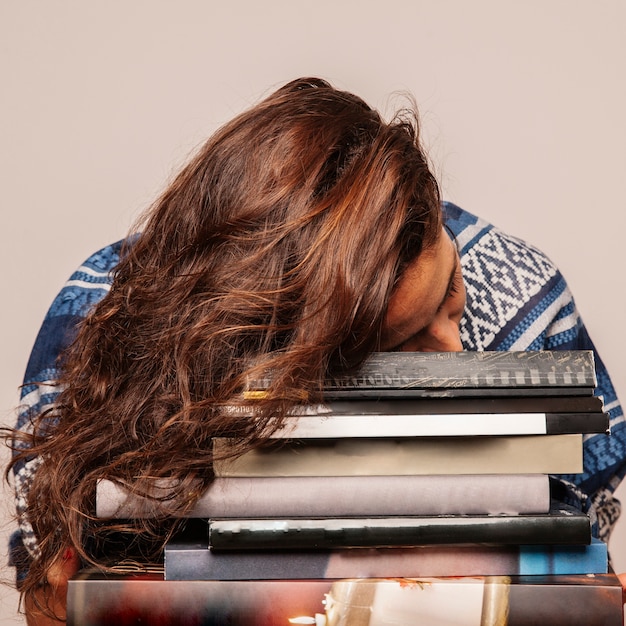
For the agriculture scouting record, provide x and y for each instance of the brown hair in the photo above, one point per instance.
(276, 248)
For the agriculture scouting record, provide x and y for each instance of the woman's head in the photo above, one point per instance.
(289, 229)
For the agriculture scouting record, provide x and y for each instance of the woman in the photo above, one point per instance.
(304, 235)
(295, 240)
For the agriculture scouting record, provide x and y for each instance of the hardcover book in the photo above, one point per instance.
(341, 496)
(195, 561)
(562, 525)
(544, 454)
(97, 599)
(463, 374)
(384, 419)
(437, 406)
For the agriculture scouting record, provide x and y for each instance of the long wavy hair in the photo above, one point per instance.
(274, 250)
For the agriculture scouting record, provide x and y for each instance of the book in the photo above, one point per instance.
(462, 374)
(341, 496)
(562, 525)
(546, 454)
(119, 599)
(382, 420)
(194, 560)
(438, 406)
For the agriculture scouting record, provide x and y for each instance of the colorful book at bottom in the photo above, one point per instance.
(98, 599)
(542, 454)
(194, 560)
(339, 496)
(562, 525)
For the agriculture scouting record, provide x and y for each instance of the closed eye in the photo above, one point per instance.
(454, 286)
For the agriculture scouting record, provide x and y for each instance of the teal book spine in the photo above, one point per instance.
(563, 559)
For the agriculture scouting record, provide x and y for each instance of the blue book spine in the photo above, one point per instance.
(586, 559)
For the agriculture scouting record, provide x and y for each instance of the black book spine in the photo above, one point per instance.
(562, 526)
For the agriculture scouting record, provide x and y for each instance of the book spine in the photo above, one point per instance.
(100, 600)
(511, 404)
(196, 562)
(508, 369)
(289, 534)
(545, 454)
(448, 392)
(332, 425)
(458, 371)
(344, 496)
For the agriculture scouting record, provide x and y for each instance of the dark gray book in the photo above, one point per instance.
(435, 406)
(463, 374)
(195, 561)
(562, 525)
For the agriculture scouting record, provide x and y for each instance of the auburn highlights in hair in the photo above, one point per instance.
(274, 250)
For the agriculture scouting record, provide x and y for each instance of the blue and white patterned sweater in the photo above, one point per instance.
(516, 300)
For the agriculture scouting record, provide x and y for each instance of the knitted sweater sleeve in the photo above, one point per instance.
(87, 286)
(518, 300)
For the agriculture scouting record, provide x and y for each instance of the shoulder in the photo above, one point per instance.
(88, 284)
(517, 299)
(475, 237)
(84, 289)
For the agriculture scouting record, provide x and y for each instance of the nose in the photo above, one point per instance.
(440, 336)
(451, 341)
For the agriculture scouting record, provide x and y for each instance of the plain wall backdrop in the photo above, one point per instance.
(522, 105)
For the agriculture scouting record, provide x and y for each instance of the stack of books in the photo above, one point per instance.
(419, 492)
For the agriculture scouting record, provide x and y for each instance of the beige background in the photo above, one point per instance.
(522, 102)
